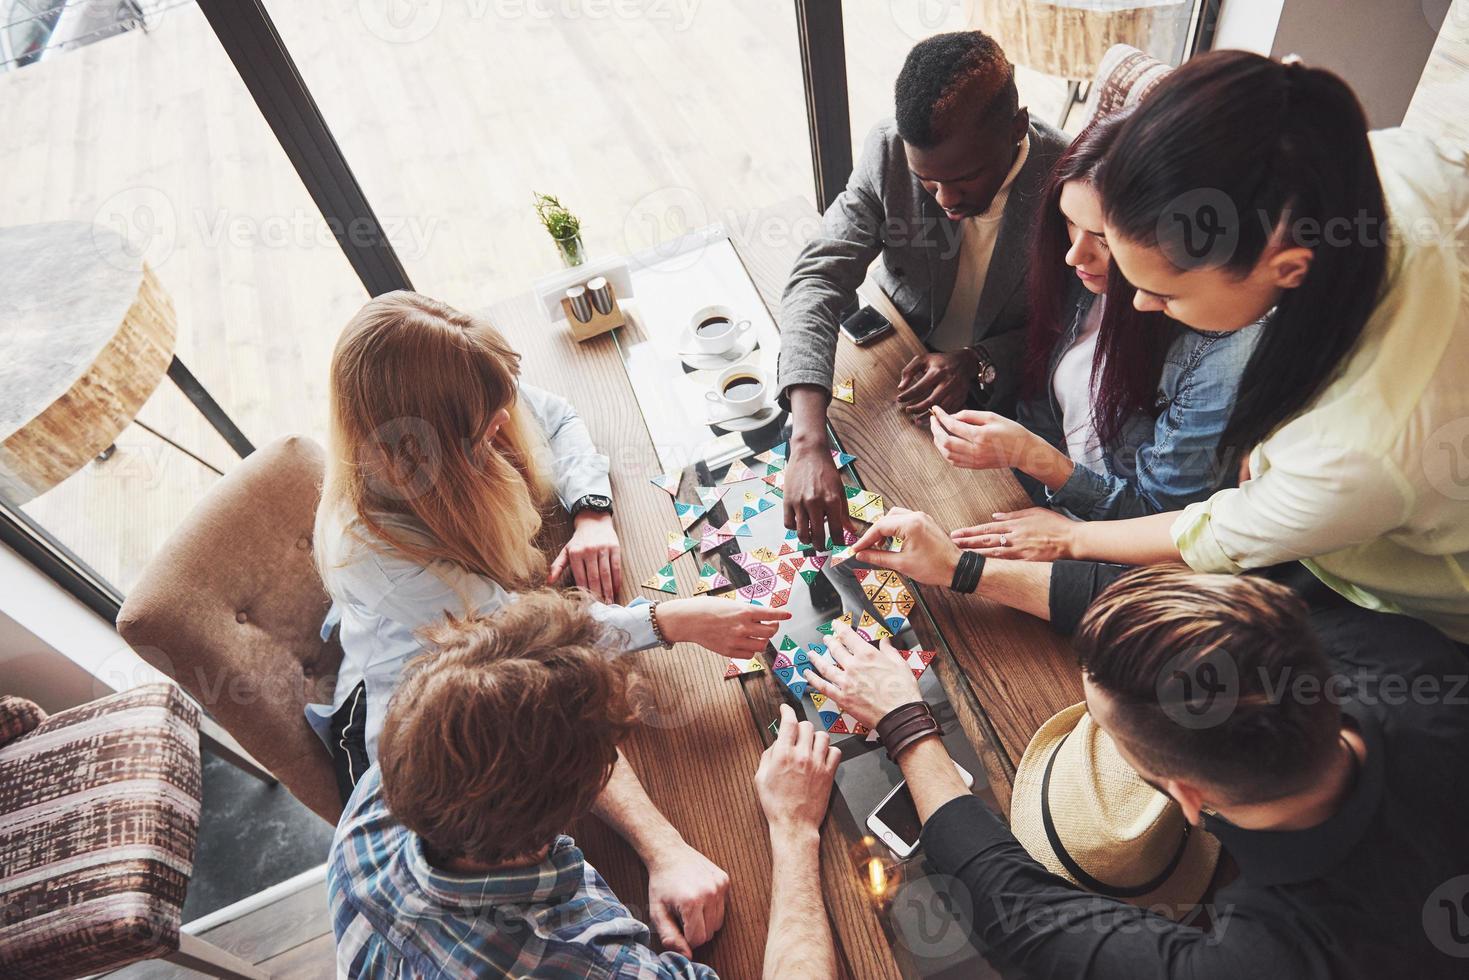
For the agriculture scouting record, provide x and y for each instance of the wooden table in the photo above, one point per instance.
(1006, 674)
(88, 335)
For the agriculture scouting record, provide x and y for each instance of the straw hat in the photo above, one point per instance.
(1086, 815)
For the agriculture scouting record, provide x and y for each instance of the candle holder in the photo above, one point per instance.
(879, 871)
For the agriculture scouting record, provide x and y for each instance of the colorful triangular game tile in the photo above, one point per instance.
(777, 483)
(764, 556)
(918, 660)
(792, 541)
(662, 580)
(738, 667)
(711, 579)
(838, 552)
(667, 482)
(688, 513)
(842, 459)
(709, 496)
(845, 391)
(679, 544)
(864, 505)
(734, 528)
(738, 473)
(785, 667)
(756, 503)
(713, 537)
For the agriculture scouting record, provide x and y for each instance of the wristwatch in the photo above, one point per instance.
(594, 502)
(985, 373)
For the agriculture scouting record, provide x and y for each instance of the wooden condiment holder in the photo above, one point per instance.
(599, 324)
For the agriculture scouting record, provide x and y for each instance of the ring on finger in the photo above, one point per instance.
(1004, 541)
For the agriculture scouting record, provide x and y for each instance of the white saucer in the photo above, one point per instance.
(712, 362)
(744, 423)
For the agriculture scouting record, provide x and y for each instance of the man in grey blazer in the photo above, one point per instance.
(946, 195)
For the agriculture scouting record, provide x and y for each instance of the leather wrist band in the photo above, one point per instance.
(905, 725)
(967, 572)
(657, 627)
(932, 728)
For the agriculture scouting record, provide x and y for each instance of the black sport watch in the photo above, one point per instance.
(594, 502)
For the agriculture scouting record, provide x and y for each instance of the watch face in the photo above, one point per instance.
(597, 501)
(987, 374)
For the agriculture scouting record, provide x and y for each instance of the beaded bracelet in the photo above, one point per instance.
(657, 627)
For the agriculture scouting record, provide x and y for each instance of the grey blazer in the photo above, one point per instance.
(885, 211)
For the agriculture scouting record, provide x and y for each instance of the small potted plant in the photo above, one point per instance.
(563, 227)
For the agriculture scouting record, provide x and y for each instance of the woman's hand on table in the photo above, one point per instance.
(1033, 534)
(867, 681)
(594, 556)
(726, 626)
(973, 440)
(928, 554)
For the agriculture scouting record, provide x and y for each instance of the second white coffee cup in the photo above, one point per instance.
(739, 391)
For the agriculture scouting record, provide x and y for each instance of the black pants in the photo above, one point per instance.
(348, 742)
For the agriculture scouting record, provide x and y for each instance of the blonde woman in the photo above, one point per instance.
(440, 466)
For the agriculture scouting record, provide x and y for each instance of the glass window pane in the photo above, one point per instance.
(151, 139)
(644, 117)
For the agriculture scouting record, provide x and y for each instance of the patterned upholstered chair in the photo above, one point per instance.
(1124, 76)
(99, 814)
(231, 607)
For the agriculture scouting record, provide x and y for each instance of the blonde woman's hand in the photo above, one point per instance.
(594, 556)
(726, 626)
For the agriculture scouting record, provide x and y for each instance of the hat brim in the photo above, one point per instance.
(1177, 898)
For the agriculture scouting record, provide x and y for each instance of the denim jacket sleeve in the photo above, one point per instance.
(1178, 464)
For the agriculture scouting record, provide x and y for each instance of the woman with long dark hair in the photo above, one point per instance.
(1242, 185)
(1124, 409)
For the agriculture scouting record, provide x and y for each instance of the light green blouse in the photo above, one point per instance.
(1369, 485)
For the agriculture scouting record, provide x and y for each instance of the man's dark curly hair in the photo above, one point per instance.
(949, 77)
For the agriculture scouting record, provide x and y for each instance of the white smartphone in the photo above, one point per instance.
(895, 821)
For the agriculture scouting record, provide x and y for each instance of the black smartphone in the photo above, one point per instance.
(865, 326)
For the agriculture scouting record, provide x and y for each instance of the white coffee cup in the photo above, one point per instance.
(714, 329)
(747, 396)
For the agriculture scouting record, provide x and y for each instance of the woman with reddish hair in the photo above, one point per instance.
(1125, 409)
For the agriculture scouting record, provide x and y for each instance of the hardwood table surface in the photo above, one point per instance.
(1005, 672)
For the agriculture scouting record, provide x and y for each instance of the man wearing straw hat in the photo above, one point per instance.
(1326, 749)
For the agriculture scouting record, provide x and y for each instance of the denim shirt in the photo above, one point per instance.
(1157, 464)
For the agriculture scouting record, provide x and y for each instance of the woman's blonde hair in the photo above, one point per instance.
(415, 385)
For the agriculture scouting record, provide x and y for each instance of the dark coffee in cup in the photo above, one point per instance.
(712, 326)
(741, 387)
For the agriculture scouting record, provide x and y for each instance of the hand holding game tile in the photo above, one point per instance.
(867, 681)
(928, 554)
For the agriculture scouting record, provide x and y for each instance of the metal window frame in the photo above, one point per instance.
(824, 77)
(35, 545)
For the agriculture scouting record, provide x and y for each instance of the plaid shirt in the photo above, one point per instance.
(395, 916)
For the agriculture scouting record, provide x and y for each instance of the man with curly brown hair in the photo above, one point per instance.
(451, 858)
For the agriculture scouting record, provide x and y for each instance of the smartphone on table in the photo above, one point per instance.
(865, 326)
(895, 820)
